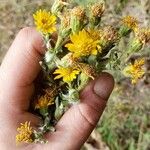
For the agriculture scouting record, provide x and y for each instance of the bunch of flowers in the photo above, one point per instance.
(78, 48)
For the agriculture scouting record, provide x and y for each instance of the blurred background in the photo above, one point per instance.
(125, 125)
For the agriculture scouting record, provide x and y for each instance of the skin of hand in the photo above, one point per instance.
(18, 72)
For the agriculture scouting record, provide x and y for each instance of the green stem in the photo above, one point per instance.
(58, 44)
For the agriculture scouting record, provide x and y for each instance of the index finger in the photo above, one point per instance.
(21, 63)
(20, 68)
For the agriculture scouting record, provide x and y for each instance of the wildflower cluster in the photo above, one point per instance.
(78, 48)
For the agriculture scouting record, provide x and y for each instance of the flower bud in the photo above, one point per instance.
(65, 29)
(88, 70)
(142, 37)
(129, 23)
(96, 12)
(78, 19)
(108, 37)
(58, 6)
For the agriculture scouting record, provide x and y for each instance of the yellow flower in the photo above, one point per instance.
(130, 22)
(45, 21)
(83, 44)
(135, 71)
(68, 74)
(44, 102)
(25, 133)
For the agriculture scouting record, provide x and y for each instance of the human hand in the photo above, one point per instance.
(18, 72)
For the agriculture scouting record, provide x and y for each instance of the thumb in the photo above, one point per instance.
(78, 122)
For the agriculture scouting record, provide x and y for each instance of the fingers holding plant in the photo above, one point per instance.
(84, 48)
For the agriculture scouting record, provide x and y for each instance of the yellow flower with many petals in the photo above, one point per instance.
(83, 44)
(25, 133)
(130, 22)
(44, 102)
(45, 21)
(135, 71)
(68, 74)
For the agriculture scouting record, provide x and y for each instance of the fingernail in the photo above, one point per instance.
(104, 85)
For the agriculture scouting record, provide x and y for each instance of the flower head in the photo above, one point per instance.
(88, 70)
(135, 71)
(108, 36)
(97, 9)
(65, 28)
(68, 74)
(78, 12)
(78, 19)
(45, 21)
(143, 35)
(130, 22)
(25, 133)
(83, 44)
(44, 102)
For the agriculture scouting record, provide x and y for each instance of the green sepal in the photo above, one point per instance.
(124, 31)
